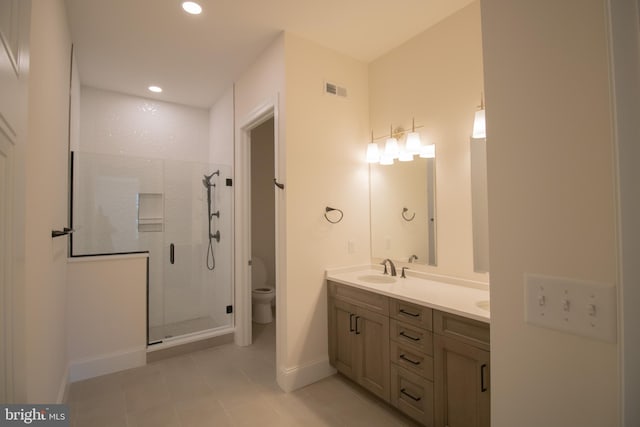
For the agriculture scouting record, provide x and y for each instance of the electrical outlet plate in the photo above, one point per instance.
(573, 306)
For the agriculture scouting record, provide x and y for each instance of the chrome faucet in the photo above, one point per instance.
(392, 267)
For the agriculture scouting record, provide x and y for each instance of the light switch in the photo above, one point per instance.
(541, 300)
(573, 306)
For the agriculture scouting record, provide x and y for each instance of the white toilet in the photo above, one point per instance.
(262, 294)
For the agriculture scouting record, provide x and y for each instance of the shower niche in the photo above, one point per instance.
(124, 205)
(150, 212)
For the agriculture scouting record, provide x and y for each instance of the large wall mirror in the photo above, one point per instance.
(403, 220)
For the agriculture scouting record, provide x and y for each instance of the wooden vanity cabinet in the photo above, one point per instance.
(359, 337)
(431, 365)
(412, 385)
(461, 371)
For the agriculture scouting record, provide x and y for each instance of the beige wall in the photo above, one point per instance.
(106, 314)
(221, 130)
(325, 136)
(46, 193)
(436, 77)
(551, 204)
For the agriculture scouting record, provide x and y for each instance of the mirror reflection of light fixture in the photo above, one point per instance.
(428, 151)
(479, 124)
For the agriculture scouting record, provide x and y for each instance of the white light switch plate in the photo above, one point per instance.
(574, 306)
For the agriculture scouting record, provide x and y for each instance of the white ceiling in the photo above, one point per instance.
(127, 45)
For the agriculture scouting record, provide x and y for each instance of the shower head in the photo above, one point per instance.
(207, 179)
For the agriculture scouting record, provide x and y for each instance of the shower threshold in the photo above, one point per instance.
(177, 329)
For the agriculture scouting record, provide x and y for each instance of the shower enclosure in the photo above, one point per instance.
(180, 213)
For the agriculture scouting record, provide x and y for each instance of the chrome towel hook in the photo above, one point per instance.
(330, 209)
(404, 216)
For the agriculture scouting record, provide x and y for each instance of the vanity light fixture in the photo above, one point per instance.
(192, 7)
(479, 124)
(393, 149)
(155, 89)
(373, 152)
(412, 145)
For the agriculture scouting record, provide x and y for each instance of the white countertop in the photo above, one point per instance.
(455, 296)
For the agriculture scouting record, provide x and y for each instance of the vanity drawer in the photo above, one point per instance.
(368, 300)
(412, 360)
(411, 313)
(470, 331)
(412, 395)
(412, 336)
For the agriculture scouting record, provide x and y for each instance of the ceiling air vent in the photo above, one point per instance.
(334, 89)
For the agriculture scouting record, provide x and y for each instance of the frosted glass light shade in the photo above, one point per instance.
(479, 126)
(391, 148)
(385, 159)
(428, 151)
(413, 144)
(373, 153)
(405, 156)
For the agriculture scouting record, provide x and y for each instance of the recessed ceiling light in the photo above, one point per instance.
(192, 7)
(155, 89)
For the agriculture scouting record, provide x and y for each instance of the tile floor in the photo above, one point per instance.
(223, 386)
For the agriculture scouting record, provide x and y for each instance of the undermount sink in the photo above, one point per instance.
(484, 305)
(376, 278)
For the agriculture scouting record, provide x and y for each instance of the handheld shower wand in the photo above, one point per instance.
(206, 181)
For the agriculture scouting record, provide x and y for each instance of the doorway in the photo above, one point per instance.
(263, 255)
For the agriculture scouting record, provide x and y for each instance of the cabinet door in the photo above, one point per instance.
(462, 395)
(341, 336)
(372, 352)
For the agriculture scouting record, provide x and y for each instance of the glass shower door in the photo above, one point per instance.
(196, 290)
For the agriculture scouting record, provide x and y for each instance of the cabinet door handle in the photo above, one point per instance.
(408, 313)
(483, 387)
(403, 391)
(357, 325)
(351, 328)
(409, 336)
(403, 357)
(172, 253)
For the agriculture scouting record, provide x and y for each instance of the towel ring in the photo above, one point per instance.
(329, 209)
(404, 216)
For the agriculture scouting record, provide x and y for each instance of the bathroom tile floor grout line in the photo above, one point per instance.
(223, 386)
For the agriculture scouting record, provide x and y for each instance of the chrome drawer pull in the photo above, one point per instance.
(417, 399)
(409, 336)
(402, 310)
(403, 357)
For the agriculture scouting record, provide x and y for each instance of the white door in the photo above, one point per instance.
(14, 30)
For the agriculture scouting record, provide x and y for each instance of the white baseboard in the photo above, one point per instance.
(63, 390)
(107, 363)
(290, 379)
